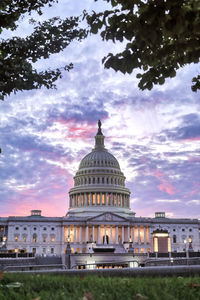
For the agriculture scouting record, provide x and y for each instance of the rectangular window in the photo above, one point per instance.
(16, 238)
(103, 199)
(119, 199)
(24, 239)
(52, 239)
(98, 199)
(44, 239)
(78, 200)
(88, 199)
(81, 199)
(52, 250)
(93, 199)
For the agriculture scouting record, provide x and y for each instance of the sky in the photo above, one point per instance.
(44, 134)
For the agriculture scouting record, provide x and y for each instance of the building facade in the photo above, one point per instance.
(99, 219)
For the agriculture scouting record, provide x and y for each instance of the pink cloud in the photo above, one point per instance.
(165, 186)
(194, 139)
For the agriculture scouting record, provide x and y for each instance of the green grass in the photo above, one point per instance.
(58, 287)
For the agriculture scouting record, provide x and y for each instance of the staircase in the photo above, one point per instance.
(119, 248)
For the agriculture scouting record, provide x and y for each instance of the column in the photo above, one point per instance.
(98, 235)
(133, 236)
(74, 234)
(106, 195)
(111, 240)
(93, 233)
(144, 235)
(86, 235)
(101, 198)
(62, 237)
(95, 198)
(122, 234)
(116, 235)
(139, 234)
(105, 234)
(128, 229)
(80, 235)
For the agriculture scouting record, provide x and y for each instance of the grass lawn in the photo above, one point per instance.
(58, 287)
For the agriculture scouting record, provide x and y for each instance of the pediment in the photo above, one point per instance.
(108, 217)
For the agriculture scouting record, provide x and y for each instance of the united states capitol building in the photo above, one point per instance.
(99, 225)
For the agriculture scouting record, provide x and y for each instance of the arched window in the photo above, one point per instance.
(111, 181)
(93, 180)
(107, 180)
(98, 180)
(103, 180)
(115, 180)
(34, 238)
(89, 180)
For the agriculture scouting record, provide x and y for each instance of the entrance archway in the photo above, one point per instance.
(161, 241)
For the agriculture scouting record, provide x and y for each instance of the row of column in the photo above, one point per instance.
(99, 198)
(133, 233)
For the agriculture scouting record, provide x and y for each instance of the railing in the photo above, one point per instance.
(16, 255)
(34, 267)
(172, 262)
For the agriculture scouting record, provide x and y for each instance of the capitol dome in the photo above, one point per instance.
(99, 183)
(99, 158)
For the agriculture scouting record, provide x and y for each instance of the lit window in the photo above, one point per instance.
(93, 199)
(24, 239)
(52, 239)
(34, 238)
(103, 199)
(44, 239)
(16, 238)
(98, 199)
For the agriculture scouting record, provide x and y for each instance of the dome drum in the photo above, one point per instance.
(91, 199)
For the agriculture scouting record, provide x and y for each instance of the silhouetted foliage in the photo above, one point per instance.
(17, 54)
(160, 37)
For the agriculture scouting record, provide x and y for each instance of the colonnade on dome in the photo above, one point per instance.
(99, 199)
